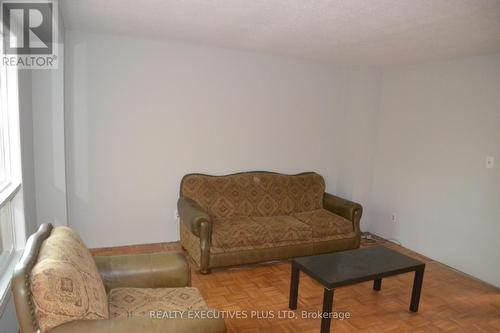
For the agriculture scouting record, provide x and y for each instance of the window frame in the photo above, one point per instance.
(4, 131)
(11, 187)
(10, 132)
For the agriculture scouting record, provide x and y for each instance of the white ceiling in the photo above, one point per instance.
(345, 32)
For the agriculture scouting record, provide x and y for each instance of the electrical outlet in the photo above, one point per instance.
(490, 162)
(394, 217)
(176, 214)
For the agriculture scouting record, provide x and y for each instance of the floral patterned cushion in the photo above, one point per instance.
(246, 233)
(65, 283)
(139, 302)
(255, 193)
(325, 224)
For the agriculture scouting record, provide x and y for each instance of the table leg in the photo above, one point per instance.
(377, 284)
(294, 288)
(417, 288)
(327, 309)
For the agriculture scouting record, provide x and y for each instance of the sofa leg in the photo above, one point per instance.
(205, 271)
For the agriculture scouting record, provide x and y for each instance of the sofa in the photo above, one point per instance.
(253, 217)
(58, 287)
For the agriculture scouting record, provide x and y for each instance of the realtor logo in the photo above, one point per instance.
(33, 33)
(29, 33)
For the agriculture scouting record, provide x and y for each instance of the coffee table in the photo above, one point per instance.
(344, 268)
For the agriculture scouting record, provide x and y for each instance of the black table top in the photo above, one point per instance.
(353, 266)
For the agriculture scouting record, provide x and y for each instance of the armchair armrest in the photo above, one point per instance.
(157, 270)
(192, 215)
(345, 208)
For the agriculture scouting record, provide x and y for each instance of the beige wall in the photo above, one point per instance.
(140, 114)
(437, 124)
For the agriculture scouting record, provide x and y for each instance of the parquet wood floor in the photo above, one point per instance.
(451, 301)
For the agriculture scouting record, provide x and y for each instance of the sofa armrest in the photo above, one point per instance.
(192, 215)
(143, 324)
(157, 270)
(345, 208)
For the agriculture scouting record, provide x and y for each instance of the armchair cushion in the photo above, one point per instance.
(140, 302)
(157, 270)
(65, 283)
(325, 224)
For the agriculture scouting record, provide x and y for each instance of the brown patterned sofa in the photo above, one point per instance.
(59, 287)
(259, 216)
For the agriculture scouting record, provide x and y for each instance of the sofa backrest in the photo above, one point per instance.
(61, 284)
(255, 193)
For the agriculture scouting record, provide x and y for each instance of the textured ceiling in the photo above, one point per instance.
(344, 32)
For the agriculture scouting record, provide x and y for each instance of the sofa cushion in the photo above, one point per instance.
(65, 283)
(139, 302)
(244, 233)
(255, 193)
(326, 225)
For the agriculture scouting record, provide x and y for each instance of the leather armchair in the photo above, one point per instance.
(159, 270)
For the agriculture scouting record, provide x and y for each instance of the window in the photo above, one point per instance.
(3, 133)
(10, 163)
(3, 170)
